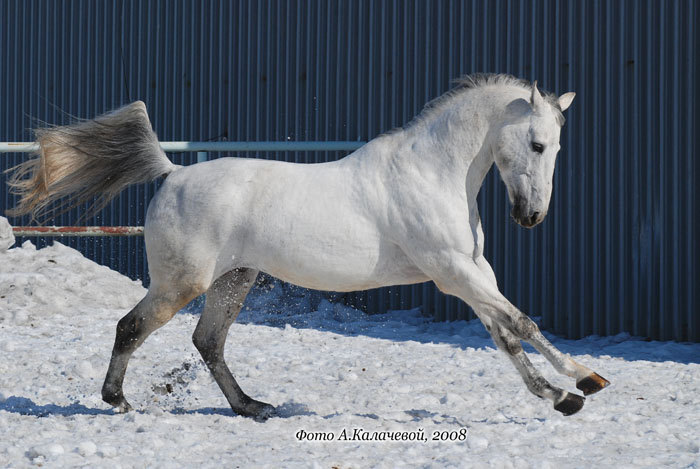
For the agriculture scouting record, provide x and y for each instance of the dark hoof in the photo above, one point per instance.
(571, 404)
(266, 412)
(121, 406)
(117, 401)
(592, 384)
(260, 411)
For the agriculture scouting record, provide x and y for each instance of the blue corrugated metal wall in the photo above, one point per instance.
(618, 251)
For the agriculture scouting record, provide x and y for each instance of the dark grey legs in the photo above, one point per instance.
(152, 312)
(224, 301)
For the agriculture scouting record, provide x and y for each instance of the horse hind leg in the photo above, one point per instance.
(153, 311)
(223, 303)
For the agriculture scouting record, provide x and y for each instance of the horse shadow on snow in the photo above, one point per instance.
(277, 304)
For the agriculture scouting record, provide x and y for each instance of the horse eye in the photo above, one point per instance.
(538, 147)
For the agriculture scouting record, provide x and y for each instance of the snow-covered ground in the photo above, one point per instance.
(328, 368)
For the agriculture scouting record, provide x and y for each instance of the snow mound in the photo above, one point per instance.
(7, 239)
(59, 280)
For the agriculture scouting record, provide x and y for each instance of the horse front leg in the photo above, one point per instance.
(587, 380)
(223, 303)
(564, 401)
(465, 279)
(519, 324)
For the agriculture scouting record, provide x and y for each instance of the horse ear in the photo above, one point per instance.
(565, 100)
(536, 99)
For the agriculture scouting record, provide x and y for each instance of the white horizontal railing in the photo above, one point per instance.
(180, 147)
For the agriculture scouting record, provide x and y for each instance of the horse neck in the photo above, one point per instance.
(455, 142)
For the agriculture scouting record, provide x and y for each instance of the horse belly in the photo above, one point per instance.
(341, 275)
(322, 276)
(346, 260)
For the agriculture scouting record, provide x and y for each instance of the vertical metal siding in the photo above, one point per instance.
(618, 251)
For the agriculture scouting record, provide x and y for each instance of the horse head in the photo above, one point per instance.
(525, 151)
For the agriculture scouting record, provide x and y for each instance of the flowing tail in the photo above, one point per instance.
(88, 161)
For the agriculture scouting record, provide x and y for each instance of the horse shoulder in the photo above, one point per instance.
(437, 233)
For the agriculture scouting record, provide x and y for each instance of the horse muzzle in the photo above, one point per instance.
(523, 216)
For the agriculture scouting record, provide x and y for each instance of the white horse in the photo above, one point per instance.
(402, 209)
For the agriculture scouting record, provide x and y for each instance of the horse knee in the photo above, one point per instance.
(524, 327)
(512, 345)
(505, 341)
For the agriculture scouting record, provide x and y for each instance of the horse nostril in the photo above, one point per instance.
(533, 219)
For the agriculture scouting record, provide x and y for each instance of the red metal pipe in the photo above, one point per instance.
(77, 231)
